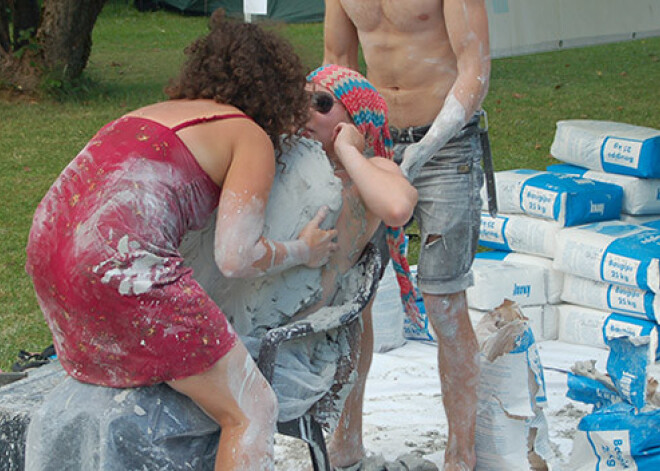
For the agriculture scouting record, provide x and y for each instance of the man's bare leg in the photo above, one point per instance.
(458, 364)
(345, 447)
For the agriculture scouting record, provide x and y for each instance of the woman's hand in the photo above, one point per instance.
(320, 242)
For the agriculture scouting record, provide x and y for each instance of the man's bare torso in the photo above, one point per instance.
(408, 55)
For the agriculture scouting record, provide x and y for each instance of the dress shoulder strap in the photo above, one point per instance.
(206, 119)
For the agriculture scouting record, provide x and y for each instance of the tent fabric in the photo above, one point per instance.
(291, 11)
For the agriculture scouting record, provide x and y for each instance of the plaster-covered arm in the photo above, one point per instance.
(241, 251)
(467, 27)
(383, 188)
(340, 38)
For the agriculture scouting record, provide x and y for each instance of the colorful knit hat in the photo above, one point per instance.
(362, 101)
(368, 111)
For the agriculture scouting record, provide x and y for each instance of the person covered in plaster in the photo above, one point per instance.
(103, 248)
(346, 115)
(431, 63)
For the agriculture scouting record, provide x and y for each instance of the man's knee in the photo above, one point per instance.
(446, 312)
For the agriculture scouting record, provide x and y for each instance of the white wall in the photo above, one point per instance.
(526, 26)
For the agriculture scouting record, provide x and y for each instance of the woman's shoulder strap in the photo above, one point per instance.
(206, 119)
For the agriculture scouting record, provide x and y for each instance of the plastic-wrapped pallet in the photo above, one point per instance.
(566, 199)
(554, 279)
(519, 233)
(627, 300)
(613, 252)
(641, 196)
(587, 326)
(608, 147)
(495, 281)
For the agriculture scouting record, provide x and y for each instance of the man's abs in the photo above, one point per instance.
(408, 55)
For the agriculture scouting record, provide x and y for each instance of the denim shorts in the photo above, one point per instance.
(449, 206)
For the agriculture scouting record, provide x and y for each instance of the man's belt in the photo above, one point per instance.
(408, 135)
(479, 124)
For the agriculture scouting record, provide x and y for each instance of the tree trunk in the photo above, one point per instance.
(61, 48)
(5, 45)
(26, 21)
(66, 35)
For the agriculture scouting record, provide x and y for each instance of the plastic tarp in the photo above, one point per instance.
(291, 11)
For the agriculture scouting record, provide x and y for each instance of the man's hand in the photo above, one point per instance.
(414, 158)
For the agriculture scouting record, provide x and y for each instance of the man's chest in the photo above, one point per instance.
(400, 15)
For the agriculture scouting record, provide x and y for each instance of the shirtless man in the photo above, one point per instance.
(430, 60)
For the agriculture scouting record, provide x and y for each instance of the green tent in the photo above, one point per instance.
(291, 11)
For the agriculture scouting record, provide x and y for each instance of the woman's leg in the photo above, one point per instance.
(234, 393)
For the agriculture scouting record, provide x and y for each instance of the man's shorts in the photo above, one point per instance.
(449, 206)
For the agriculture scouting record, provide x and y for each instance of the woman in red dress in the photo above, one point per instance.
(103, 248)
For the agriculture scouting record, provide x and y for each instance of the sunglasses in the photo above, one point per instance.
(322, 101)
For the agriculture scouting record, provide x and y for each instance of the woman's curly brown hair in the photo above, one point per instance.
(256, 71)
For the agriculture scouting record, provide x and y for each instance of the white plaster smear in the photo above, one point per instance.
(403, 405)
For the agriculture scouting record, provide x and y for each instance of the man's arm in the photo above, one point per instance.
(340, 37)
(467, 27)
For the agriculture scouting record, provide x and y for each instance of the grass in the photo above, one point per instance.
(135, 53)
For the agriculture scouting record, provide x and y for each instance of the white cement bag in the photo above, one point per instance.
(388, 313)
(613, 252)
(627, 300)
(512, 431)
(581, 325)
(551, 321)
(567, 199)
(640, 220)
(542, 320)
(495, 281)
(586, 326)
(608, 147)
(554, 279)
(519, 233)
(640, 195)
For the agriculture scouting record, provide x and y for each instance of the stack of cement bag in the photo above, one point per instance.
(534, 207)
(580, 225)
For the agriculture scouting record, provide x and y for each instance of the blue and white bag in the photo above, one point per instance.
(519, 233)
(554, 279)
(617, 438)
(622, 431)
(511, 427)
(613, 252)
(608, 147)
(641, 196)
(628, 300)
(566, 199)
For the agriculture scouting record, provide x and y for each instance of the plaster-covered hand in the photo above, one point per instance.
(321, 243)
(447, 124)
(414, 158)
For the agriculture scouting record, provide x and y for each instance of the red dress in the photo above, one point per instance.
(103, 256)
